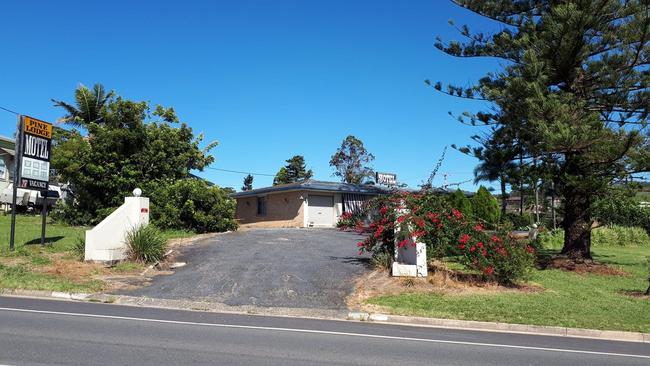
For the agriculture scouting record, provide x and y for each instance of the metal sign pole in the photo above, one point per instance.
(17, 163)
(44, 215)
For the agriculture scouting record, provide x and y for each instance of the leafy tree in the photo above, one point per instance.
(485, 207)
(459, 201)
(351, 161)
(89, 106)
(573, 92)
(133, 146)
(294, 171)
(248, 183)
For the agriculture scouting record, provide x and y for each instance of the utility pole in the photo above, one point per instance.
(17, 164)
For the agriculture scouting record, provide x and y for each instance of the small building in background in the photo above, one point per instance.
(309, 203)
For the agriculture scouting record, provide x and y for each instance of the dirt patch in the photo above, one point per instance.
(635, 294)
(584, 267)
(441, 280)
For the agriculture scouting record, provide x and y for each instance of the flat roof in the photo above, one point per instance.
(315, 185)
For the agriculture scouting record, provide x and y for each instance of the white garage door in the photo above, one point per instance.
(320, 211)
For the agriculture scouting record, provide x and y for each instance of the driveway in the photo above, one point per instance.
(294, 268)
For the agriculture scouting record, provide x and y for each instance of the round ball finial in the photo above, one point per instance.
(137, 192)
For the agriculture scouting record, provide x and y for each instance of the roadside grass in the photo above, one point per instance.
(29, 265)
(569, 299)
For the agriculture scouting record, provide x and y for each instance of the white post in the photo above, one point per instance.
(411, 259)
(106, 242)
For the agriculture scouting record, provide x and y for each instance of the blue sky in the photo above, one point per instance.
(267, 79)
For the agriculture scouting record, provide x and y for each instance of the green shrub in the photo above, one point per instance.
(146, 244)
(193, 205)
(621, 209)
(79, 248)
(459, 201)
(647, 292)
(485, 207)
(382, 261)
(604, 236)
(518, 222)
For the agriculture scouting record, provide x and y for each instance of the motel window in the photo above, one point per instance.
(261, 206)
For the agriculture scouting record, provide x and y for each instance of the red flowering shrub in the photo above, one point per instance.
(349, 220)
(446, 232)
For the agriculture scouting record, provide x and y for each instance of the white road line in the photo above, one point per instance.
(313, 331)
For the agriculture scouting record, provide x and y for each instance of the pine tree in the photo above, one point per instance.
(485, 207)
(294, 171)
(248, 183)
(574, 94)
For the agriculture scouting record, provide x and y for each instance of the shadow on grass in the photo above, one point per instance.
(48, 240)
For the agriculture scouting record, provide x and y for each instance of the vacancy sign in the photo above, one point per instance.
(35, 159)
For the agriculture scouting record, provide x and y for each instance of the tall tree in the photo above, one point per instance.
(89, 106)
(574, 91)
(248, 183)
(351, 161)
(294, 171)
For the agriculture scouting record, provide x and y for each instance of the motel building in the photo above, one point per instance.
(309, 203)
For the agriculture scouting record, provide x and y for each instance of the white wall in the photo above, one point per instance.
(106, 242)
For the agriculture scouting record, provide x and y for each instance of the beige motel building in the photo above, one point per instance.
(304, 204)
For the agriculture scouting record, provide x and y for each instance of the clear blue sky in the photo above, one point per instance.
(267, 79)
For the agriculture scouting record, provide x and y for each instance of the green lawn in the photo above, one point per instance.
(570, 299)
(20, 269)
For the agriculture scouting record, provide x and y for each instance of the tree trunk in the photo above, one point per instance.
(553, 207)
(577, 226)
(521, 185)
(504, 198)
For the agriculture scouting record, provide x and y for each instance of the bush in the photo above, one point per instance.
(349, 220)
(621, 209)
(485, 207)
(79, 248)
(518, 222)
(446, 231)
(193, 205)
(459, 201)
(146, 244)
(604, 236)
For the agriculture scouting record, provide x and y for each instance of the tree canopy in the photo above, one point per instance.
(128, 145)
(294, 171)
(572, 97)
(248, 183)
(351, 161)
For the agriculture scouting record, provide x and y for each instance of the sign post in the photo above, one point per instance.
(32, 165)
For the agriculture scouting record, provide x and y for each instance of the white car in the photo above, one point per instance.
(28, 197)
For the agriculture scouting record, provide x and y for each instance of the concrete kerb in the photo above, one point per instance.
(502, 327)
(351, 316)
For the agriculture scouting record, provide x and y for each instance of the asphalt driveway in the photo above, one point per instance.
(294, 268)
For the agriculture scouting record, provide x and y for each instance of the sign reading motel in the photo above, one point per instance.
(36, 147)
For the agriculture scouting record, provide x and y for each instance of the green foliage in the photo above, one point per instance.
(555, 103)
(127, 145)
(485, 207)
(146, 244)
(518, 222)
(294, 171)
(604, 236)
(192, 204)
(79, 248)
(459, 201)
(248, 183)
(351, 161)
(382, 261)
(621, 208)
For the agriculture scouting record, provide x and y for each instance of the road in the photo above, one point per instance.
(39, 332)
(290, 268)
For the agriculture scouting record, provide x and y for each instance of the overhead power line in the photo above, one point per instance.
(9, 110)
(240, 172)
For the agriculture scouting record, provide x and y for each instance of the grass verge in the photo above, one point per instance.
(570, 299)
(54, 267)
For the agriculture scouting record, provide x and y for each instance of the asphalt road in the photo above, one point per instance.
(38, 332)
(296, 268)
